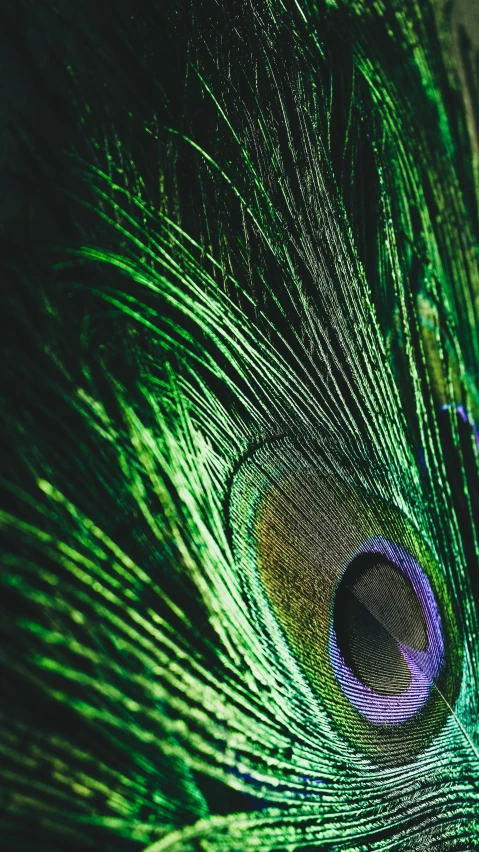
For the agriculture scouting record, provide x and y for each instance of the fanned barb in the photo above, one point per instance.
(241, 427)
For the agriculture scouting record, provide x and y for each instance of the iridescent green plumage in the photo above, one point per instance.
(258, 301)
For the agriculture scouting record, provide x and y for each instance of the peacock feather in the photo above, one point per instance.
(240, 427)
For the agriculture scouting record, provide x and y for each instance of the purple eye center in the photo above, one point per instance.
(386, 646)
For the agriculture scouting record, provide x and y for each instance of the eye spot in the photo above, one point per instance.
(375, 609)
(386, 644)
(359, 610)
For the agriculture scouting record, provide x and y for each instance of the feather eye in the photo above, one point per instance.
(359, 595)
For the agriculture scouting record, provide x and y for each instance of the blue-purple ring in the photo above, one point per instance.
(424, 666)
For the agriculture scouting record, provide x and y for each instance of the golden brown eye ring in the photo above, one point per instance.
(306, 541)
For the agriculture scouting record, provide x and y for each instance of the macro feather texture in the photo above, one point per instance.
(241, 428)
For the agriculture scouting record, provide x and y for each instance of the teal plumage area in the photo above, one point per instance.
(241, 428)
